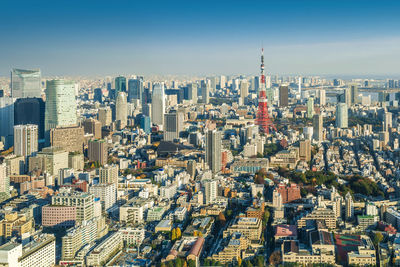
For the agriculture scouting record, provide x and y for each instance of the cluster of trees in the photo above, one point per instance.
(261, 175)
(271, 149)
(178, 262)
(355, 183)
(257, 261)
(353, 121)
(176, 234)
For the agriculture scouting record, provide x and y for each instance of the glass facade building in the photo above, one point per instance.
(26, 83)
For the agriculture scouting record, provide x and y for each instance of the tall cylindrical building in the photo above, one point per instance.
(60, 104)
(121, 110)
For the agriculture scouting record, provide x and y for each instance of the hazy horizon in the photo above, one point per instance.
(326, 38)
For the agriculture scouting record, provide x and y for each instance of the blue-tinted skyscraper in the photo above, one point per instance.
(120, 85)
(98, 95)
(145, 124)
(135, 89)
(7, 121)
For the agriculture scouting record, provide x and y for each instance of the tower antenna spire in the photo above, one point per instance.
(262, 119)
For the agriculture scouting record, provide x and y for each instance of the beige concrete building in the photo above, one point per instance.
(76, 161)
(249, 227)
(104, 115)
(50, 160)
(105, 250)
(319, 214)
(83, 202)
(97, 151)
(71, 138)
(92, 126)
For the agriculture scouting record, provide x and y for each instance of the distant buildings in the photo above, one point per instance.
(26, 83)
(120, 85)
(135, 89)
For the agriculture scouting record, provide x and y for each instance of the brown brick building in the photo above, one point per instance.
(289, 193)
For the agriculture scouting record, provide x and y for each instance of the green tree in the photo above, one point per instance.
(173, 235)
(378, 237)
(191, 263)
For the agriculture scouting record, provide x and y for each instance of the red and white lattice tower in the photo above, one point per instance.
(263, 120)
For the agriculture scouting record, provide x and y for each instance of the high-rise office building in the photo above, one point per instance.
(342, 119)
(192, 92)
(92, 126)
(104, 115)
(387, 121)
(60, 104)
(50, 160)
(4, 179)
(322, 97)
(98, 95)
(25, 83)
(158, 104)
(121, 110)
(173, 125)
(213, 150)
(318, 127)
(97, 151)
(107, 193)
(354, 94)
(305, 150)
(135, 88)
(7, 121)
(145, 124)
(25, 139)
(222, 82)
(30, 111)
(283, 96)
(120, 85)
(244, 91)
(349, 207)
(205, 91)
(211, 190)
(310, 107)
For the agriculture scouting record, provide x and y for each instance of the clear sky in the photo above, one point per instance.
(89, 37)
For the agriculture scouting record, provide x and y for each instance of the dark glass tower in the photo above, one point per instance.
(30, 111)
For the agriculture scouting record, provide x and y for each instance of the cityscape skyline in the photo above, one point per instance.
(308, 38)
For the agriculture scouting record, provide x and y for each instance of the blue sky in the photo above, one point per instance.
(200, 37)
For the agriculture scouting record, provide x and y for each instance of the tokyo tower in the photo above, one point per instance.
(263, 120)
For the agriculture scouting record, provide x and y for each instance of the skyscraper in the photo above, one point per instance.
(121, 110)
(25, 83)
(30, 111)
(211, 190)
(318, 127)
(25, 139)
(305, 150)
(349, 207)
(92, 126)
(213, 150)
(283, 96)
(341, 115)
(97, 151)
(158, 104)
(7, 121)
(205, 91)
(135, 89)
(310, 107)
(60, 104)
(145, 124)
(173, 125)
(222, 82)
(4, 179)
(387, 121)
(104, 115)
(120, 85)
(98, 95)
(322, 97)
(354, 93)
(244, 91)
(192, 92)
